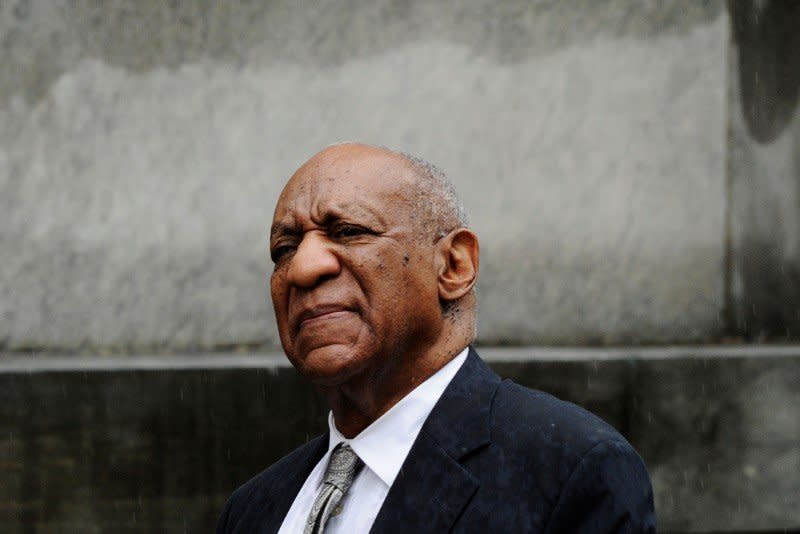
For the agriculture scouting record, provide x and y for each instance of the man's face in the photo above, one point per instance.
(354, 285)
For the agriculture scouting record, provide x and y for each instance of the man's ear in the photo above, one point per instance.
(457, 263)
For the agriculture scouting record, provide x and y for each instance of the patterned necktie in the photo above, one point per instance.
(343, 467)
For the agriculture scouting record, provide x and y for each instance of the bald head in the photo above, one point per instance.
(437, 208)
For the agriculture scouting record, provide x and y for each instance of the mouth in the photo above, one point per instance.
(319, 314)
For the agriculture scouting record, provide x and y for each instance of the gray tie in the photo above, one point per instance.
(342, 469)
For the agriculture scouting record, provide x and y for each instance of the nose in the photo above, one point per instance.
(313, 261)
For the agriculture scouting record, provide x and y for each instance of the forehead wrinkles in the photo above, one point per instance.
(295, 198)
(343, 183)
(303, 205)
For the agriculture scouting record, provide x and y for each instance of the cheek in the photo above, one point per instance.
(422, 282)
(278, 290)
(279, 304)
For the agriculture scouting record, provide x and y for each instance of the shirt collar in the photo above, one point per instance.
(384, 445)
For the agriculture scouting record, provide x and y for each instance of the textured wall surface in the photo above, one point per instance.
(142, 147)
(765, 170)
(109, 445)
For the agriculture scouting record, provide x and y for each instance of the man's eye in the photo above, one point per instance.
(280, 251)
(348, 230)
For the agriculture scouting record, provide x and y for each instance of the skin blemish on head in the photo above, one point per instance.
(405, 259)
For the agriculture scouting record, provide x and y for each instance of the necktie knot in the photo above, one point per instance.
(343, 466)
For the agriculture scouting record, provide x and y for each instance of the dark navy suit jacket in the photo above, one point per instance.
(492, 456)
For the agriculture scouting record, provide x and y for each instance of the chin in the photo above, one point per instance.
(328, 365)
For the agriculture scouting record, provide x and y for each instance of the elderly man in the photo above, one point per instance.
(373, 289)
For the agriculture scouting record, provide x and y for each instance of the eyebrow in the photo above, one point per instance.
(282, 229)
(334, 213)
(350, 209)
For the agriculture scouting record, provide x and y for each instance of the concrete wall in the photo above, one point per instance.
(142, 147)
(632, 169)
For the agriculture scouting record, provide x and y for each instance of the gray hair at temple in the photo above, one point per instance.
(437, 197)
(439, 205)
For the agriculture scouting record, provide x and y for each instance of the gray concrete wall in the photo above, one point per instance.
(142, 147)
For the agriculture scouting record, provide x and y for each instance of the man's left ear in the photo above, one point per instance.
(457, 263)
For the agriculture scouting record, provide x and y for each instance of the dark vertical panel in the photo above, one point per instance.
(764, 170)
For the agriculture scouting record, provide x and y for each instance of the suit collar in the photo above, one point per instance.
(433, 487)
(286, 484)
(460, 421)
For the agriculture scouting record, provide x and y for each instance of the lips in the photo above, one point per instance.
(320, 313)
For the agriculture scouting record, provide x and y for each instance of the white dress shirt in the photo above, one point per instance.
(383, 447)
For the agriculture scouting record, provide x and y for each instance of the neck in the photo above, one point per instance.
(363, 399)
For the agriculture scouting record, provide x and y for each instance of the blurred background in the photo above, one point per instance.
(632, 169)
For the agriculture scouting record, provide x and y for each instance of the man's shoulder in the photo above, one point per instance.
(556, 452)
(537, 432)
(529, 417)
(548, 419)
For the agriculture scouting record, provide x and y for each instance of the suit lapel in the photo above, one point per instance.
(286, 485)
(433, 487)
